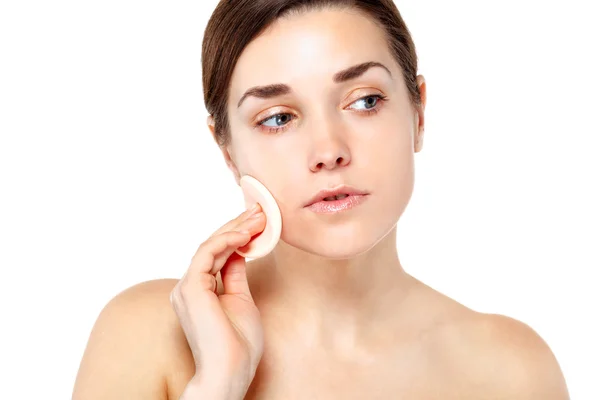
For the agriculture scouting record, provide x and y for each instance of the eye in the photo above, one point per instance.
(277, 118)
(370, 101)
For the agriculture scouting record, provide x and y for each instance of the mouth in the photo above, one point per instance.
(338, 193)
(336, 197)
(337, 203)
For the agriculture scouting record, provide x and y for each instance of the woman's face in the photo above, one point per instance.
(323, 133)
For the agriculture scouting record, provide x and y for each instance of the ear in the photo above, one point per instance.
(210, 121)
(419, 128)
(226, 151)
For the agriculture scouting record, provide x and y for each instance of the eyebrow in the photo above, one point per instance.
(278, 89)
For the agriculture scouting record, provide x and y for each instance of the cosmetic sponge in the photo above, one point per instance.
(261, 244)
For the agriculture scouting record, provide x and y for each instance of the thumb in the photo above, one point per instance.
(234, 277)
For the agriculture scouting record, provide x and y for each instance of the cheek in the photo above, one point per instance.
(279, 168)
(391, 170)
(388, 155)
(280, 171)
(262, 157)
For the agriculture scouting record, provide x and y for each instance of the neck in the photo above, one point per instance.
(342, 301)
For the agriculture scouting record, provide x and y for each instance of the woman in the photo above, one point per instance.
(329, 313)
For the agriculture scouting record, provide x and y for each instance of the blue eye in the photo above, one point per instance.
(284, 118)
(278, 118)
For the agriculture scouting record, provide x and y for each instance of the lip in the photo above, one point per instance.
(336, 206)
(340, 189)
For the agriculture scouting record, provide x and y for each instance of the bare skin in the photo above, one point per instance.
(302, 370)
(431, 348)
(434, 348)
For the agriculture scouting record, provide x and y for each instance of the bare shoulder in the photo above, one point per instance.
(130, 345)
(493, 354)
(481, 354)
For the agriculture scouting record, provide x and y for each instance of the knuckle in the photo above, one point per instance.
(207, 281)
(186, 290)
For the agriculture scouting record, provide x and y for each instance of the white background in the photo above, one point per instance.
(109, 176)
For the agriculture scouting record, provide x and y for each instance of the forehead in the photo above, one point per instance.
(309, 47)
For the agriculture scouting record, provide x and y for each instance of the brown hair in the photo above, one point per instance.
(234, 23)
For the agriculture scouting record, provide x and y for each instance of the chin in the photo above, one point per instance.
(339, 242)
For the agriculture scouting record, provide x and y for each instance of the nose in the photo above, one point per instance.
(329, 164)
(329, 151)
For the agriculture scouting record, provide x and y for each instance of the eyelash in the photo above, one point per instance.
(370, 111)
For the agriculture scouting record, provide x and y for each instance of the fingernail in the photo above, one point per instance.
(257, 215)
(254, 208)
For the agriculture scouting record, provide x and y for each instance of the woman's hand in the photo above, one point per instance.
(224, 331)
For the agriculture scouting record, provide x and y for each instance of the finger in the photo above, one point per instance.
(253, 226)
(220, 246)
(214, 252)
(234, 272)
(234, 277)
(230, 225)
